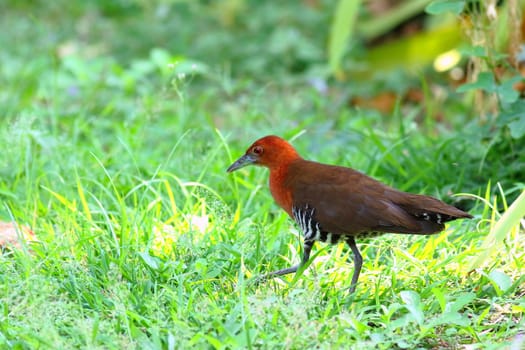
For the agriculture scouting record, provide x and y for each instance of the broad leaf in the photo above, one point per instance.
(485, 82)
(413, 304)
(344, 19)
(500, 279)
(440, 7)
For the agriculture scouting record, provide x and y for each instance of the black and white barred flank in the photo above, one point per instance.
(305, 218)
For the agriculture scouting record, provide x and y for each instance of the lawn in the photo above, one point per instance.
(118, 123)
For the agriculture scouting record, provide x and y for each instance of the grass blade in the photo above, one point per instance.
(508, 220)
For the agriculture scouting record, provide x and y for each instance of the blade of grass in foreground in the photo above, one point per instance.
(508, 220)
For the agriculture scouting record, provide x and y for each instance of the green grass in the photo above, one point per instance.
(144, 241)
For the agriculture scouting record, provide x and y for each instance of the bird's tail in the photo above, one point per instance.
(431, 213)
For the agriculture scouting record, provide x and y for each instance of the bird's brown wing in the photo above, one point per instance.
(349, 202)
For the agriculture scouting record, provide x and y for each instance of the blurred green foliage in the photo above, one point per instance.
(218, 52)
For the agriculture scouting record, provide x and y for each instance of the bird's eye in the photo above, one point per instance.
(258, 150)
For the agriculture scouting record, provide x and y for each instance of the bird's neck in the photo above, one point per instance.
(281, 194)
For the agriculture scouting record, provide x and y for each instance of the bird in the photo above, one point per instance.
(334, 204)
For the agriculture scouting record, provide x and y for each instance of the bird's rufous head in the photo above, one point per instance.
(269, 151)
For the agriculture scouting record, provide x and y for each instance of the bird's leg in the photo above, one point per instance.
(358, 262)
(307, 248)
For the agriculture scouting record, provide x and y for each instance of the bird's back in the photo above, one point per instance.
(347, 202)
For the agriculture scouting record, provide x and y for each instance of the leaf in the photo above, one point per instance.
(473, 51)
(150, 261)
(413, 304)
(201, 266)
(440, 297)
(485, 82)
(513, 117)
(342, 26)
(517, 128)
(507, 93)
(440, 7)
(452, 312)
(449, 318)
(460, 302)
(501, 280)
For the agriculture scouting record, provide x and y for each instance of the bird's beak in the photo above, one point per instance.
(245, 160)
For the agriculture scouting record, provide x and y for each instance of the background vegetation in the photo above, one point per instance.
(119, 120)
